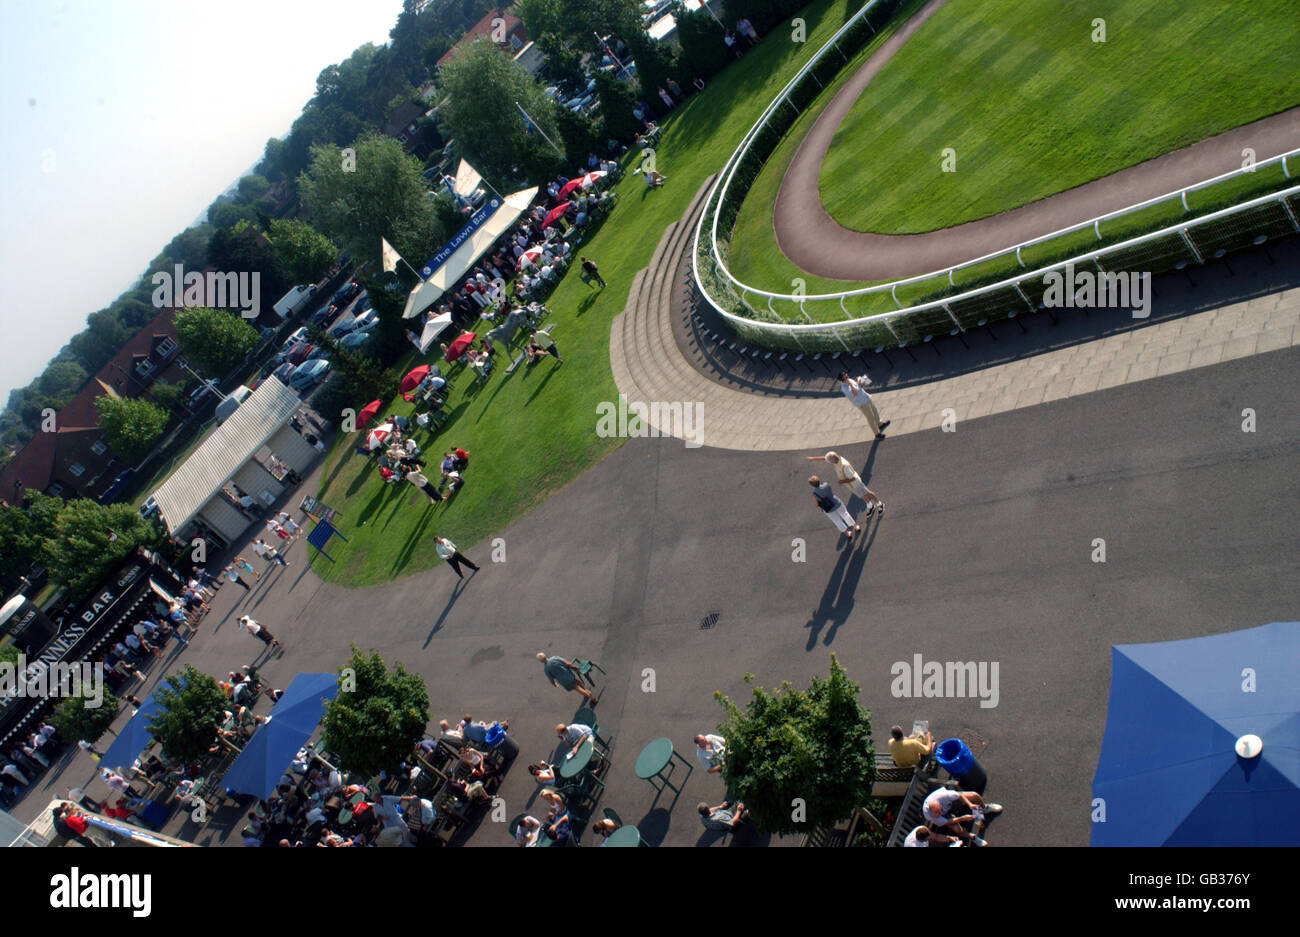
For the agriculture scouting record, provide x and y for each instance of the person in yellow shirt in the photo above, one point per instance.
(908, 752)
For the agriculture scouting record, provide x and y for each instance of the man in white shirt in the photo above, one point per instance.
(954, 811)
(710, 750)
(448, 552)
(924, 837)
(857, 394)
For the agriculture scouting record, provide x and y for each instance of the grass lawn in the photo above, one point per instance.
(532, 432)
(1032, 106)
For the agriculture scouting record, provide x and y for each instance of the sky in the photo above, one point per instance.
(123, 120)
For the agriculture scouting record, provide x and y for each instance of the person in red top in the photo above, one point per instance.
(71, 823)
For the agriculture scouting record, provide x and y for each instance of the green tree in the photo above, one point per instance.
(224, 213)
(170, 396)
(131, 425)
(62, 379)
(214, 340)
(252, 187)
(304, 252)
(809, 745)
(616, 102)
(479, 112)
(378, 715)
(189, 713)
(20, 545)
(75, 720)
(385, 197)
(88, 540)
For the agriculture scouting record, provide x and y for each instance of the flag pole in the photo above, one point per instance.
(532, 123)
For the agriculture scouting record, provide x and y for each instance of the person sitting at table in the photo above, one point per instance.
(724, 817)
(605, 828)
(557, 816)
(542, 772)
(574, 734)
(450, 475)
(479, 769)
(528, 832)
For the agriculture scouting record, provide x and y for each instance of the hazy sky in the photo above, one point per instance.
(122, 120)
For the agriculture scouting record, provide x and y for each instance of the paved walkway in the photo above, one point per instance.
(817, 243)
(650, 363)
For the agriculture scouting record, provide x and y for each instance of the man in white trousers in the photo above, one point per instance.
(847, 475)
(833, 507)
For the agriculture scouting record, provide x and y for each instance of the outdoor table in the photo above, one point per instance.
(654, 758)
(572, 767)
(624, 836)
(356, 798)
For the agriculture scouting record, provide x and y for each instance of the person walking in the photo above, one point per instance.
(417, 478)
(258, 631)
(248, 568)
(833, 507)
(592, 273)
(856, 391)
(90, 750)
(848, 476)
(268, 552)
(447, 550)
(231, 574)
(564, 673)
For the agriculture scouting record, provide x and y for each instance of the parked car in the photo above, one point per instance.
(346, 293)
(299, 335)
(355, 340)
(308, 374)
(361, 322)
(149, 508)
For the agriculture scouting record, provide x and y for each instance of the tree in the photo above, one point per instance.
(20, 545)
(214, 340)
(372, 726)
(479, 112)
(224, 213)
(88, 540)
(797, 747)
(61, 378)
(704, 53)
(385, 197)
(75, 720)
(190, 710)
(304, 252)
(170, 396)
(252, 187)
(616, 103)
(131, 425)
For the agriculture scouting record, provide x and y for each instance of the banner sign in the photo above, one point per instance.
(461, 236)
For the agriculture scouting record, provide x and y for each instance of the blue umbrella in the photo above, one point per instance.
(1202, 743)
(270, 751)
(133, 738)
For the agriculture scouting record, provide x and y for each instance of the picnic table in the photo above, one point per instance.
(572, 767)
(624, 836)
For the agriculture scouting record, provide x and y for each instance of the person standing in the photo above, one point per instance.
(856, 392)
(675, 88)
(541, 343)
(289, 524)
(417, 478)
(710, 751)
(564, 673)
(259, 632)
(268, 552)
(847, 475)
(90, 749)
(248, 568)
(447, 551)
(833, 507)
(592, 272)
(230, 573)
(666, 98)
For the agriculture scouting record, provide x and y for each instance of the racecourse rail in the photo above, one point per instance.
(954, 308)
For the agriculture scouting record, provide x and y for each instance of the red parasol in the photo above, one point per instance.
(368, 413)
(554, 213)
(585, 182)
(413, 377)
(528, 256)
(458, 347)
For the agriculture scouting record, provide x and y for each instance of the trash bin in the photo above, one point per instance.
(497, 739)
(957, 759)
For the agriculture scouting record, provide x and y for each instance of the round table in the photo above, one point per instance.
(572, 767)
(624, 836)
(654, 758)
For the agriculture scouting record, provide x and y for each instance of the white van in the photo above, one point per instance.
(294, 300)
(230, 404)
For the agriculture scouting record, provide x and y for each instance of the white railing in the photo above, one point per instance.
(718, 196)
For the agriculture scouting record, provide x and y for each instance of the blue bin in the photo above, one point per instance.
(954, 757)
(957, 759)
(494, 735)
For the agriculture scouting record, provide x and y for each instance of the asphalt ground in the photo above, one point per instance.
(984, 554)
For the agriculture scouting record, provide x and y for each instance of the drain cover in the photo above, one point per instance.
(709, 620)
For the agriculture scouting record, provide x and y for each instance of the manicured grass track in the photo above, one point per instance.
(1032, 106)
(532, 433)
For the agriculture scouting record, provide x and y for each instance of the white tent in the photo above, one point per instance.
(467, 179)
(432, 329)
(467, 254)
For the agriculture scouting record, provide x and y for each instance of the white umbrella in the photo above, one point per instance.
(378, 435)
